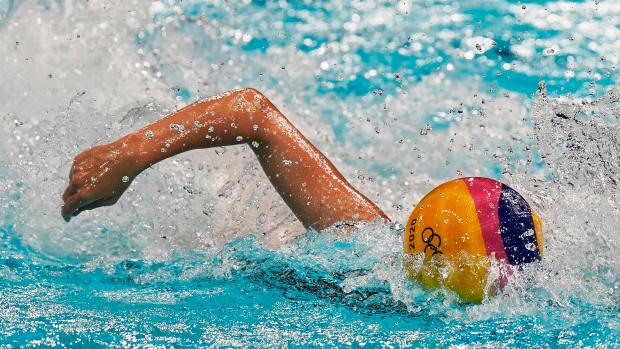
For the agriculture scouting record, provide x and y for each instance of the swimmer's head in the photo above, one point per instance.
(460, 224)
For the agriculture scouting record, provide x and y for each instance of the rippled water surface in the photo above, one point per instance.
(401, 95)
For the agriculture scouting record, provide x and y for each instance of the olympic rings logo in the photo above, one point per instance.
(432, 242)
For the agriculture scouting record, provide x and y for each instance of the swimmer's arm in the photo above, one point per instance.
(307, 181)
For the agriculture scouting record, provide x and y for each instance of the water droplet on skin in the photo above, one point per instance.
(125, 179)
(255, 127)
(262, 218)
(239, 138)
(149, 134)
(177, 127)
(255, 144)
(220, 150)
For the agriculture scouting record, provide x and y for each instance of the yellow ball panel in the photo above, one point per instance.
(446, 221)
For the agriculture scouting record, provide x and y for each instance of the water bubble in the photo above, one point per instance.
(149, 134)
(239, 138)
(255, 127)
(125, 179)
(220, 150)
(287, 162)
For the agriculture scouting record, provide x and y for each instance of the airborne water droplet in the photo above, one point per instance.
(239, 138)
(149, 134)
(255, 127)
(125, 179)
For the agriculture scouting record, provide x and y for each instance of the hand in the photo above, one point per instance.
(98, 177)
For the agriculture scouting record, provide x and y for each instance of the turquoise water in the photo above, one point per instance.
(200, 252)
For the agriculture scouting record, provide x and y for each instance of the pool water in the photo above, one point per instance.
(401, 95)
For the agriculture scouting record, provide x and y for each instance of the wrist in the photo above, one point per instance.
(136, 152)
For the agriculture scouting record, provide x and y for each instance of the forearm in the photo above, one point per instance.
(307, 181)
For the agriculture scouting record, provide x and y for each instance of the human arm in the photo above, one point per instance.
(307, 181)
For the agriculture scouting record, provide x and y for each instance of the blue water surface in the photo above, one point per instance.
(399, 93)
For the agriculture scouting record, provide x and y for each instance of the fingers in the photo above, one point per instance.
(74, 203)
(95, 204)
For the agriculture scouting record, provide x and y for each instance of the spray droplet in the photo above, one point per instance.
(233, 125)
(220, 150)
(287, 162)
(149, 134)
(210, 129)
(255, 144)
(163, 150)
(378, 92)
(239, 138)
(125, 179)
(255, 127)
